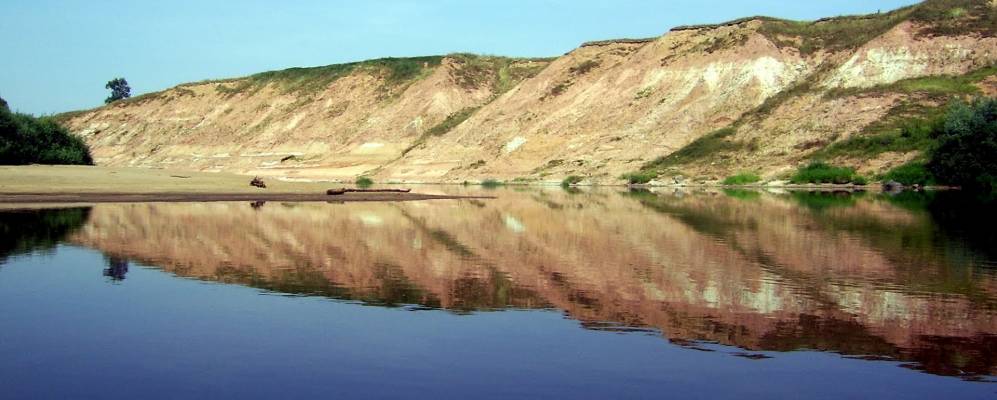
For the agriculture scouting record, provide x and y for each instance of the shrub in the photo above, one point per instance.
(571, 180)
(910, 174)
(584, 67)
(25, 139)
(743, 178)
(491, 183)
(364, 181)
(967, 146)
(639, 178)
(820, 172)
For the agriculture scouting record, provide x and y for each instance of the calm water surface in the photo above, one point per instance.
(538, 293)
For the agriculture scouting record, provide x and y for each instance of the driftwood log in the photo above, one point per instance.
(335, 192)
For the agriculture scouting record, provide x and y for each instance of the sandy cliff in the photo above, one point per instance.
(787, 89)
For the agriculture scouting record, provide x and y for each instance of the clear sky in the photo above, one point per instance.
(56, 55)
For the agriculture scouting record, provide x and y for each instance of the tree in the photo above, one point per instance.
(25, 139)
(967, 146)
(3, 104)
(119, 90)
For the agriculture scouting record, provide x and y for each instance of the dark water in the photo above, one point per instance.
(536, 294)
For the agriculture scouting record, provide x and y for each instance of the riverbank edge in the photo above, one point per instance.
(75, 198)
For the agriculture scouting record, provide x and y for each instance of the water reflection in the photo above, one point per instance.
(27, 230)
(870, 276)
(116, 269)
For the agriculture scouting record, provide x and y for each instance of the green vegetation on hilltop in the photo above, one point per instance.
(939, 17)
(25, 139)
(501, 73)
(832, 34)
(314, 79)
(957, 17)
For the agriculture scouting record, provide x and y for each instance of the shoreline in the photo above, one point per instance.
(86, 198)
(100, 182)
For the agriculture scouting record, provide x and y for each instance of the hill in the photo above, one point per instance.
(698, 103)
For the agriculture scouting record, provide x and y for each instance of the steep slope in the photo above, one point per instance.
(334, 121)
(757, 94)
(606, 107)
(863, 107)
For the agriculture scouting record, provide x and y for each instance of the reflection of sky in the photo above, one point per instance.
(66, 331)
(513, 224)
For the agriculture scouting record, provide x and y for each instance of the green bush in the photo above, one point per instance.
(743, 178)
(491, 183)
(967, 146)
(364, 181)
(639, 178)
(25, 139)
(571, 180)
(910, 174)
(820, 172)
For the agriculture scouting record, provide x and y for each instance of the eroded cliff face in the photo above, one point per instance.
(788, 89)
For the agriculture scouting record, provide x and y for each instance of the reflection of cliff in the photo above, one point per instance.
(764, 273)
(372, 253)
(22, 231)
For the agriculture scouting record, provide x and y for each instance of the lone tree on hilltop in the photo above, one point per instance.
(119, 90)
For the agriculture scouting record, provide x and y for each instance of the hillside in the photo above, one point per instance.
(701, 102)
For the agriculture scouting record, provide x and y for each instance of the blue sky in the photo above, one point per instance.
(57, 54)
